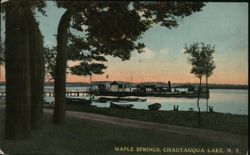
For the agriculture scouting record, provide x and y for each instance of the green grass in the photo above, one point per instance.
(94, 138)
(215, 121)
(2, 102)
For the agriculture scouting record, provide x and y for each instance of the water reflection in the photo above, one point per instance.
(222, 100)
(232, 101)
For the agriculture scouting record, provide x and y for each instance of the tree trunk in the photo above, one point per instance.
(0, 72)
(60, 70)
(198, 105)
(17, 124)
(37, 69)
(207, 91)
(90, 90)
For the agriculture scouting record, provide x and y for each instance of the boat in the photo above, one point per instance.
(142, 100)
(101, 100)
(155, 106)
(80, 101)
(120, 106)
(136, 99)
(118, 99)
(105, 99)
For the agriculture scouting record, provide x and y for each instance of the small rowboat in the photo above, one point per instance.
(79, 101)
(118, 99)
(120, 106)
(155, 106)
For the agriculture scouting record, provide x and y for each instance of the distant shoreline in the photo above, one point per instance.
(211, 86)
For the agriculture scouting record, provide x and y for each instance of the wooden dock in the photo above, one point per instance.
(155, 94)
(123, 94)
(68, 94)
(52, 94)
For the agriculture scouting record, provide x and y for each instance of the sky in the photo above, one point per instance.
(224, 25)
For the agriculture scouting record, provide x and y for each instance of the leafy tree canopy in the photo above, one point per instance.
(201, 58)
(209, 62)
(39, 4)
(114, 28)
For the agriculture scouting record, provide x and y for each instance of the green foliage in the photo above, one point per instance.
(114, 28)
(196, 59)
(50, 62)
(166, 13)
(209, 62)
(2, 53)
(86, 69)
(39, 4)
(90, 62)
(201, 58)
(111, 28)
(89, 65)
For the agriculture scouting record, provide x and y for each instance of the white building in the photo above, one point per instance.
(117, 87)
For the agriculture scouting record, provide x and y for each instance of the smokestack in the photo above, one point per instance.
(169, 86)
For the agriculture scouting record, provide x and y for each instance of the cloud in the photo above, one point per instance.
(147, 54)
(164, 51)
(182, 51)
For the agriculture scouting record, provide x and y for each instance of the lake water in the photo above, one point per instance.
(234, 101)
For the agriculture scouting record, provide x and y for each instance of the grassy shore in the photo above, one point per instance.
(94, 138)
(217, 121)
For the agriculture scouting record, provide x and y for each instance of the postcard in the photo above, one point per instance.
(123, 77)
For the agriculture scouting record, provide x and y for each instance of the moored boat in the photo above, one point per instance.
(155, 106)
(120, 106)
(118, 99)
(80, 101)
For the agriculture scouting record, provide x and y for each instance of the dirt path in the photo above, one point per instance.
(217, 136)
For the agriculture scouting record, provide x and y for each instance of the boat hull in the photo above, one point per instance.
(155, 106)
(120, 106)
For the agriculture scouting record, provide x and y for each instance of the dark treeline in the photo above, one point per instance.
(227, 86)
(211, 86)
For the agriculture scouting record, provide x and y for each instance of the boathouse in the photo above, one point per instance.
(186, 88)
(102, 86)
(117, 87)
(145, 88)
(152, 88)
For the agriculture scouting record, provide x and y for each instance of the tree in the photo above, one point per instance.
(201, 59)
(23, 44)
(17, 76)
(37, 69)
(209, 64)
(88, 63)
(197, 60)
(111, 29)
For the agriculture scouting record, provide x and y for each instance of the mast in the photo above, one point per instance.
(90, 90)
(130, 82)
